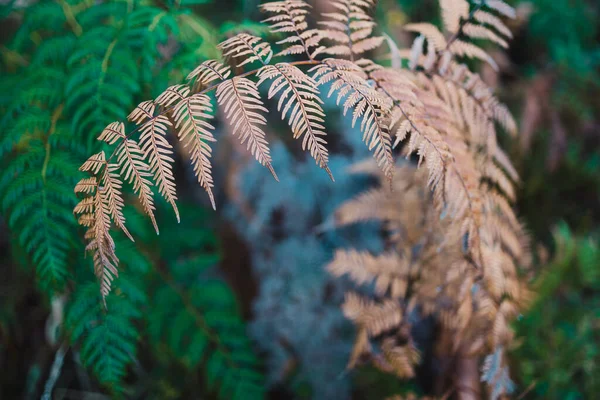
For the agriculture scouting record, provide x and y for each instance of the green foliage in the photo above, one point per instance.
(72, 67)
(560, 355)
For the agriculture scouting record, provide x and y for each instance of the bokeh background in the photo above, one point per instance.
(249, 278)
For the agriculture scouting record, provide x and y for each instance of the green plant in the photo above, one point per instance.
(71, 67)
(558, 357)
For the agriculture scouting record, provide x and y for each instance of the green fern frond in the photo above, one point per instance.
(107, 340)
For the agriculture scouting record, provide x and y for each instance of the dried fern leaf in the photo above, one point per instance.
(350, 28)
(111, 186)
(466, 49)
(431, 33)
(290, 18)
(248, 47)
(374, 317)
(365, 102)
(242, 105)
(481, 32)
(133, 167)
(207, 72)
(501, 7)
(157, 150)
(493, 21)
(452, 13)
(190, 117)
(388, 270)
(143, 112)
(299, 98)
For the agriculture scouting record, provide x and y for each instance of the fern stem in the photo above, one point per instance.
(70, 17)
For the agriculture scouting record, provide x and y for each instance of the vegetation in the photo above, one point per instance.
(448, 293)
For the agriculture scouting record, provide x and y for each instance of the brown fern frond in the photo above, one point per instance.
(350, 28)
(290, 18)
(366, 103)
(489, 19)
(481, 32)
(453, 11)
(466, 49)
(242, 105)
(102, 244)
(207, 72)
(389, 270)
(172, 95)
(111, 186)
(143, 112)
(402, 359)
(374, 317)
(299, 97)
(94, 164)
(133, 167)
(250, 48)
(501, 7)
(431, 33)
(190, 117)
(86, 185)
(157, 150)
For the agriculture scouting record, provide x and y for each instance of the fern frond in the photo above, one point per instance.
(467, 49)
(242, 105)
(453, 11)
(489, 19)
(389, 271)
(190, 117)
(290, 18)
(208, 72)
(374, 317)
(111, 187)
(299, 101)
(250, 48)
(157, 150)
(501, 7)
(365, 102)
(430, 32)
(481, 32)
(350, 28)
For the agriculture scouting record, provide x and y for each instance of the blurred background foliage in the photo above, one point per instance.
(236, 304)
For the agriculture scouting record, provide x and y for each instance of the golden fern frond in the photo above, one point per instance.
(489, 19)
(111, 186)
(94, 213)
(250, 48)
(86, 185)
(480, 32)
(430, 32)
(388, 270)
(157, 150)
(94, 164)
(350, 28)
(466, 49)
(133, 167)
(376, 318)
(242, 105)
(143, 112)
(207, 72)
(102, 244)
(172, 95)
(366, 103)
(452, 13)
(501, 7)
(299, 97)
(190, 117)
(402, 359)
(290, 18)
(375, 204)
